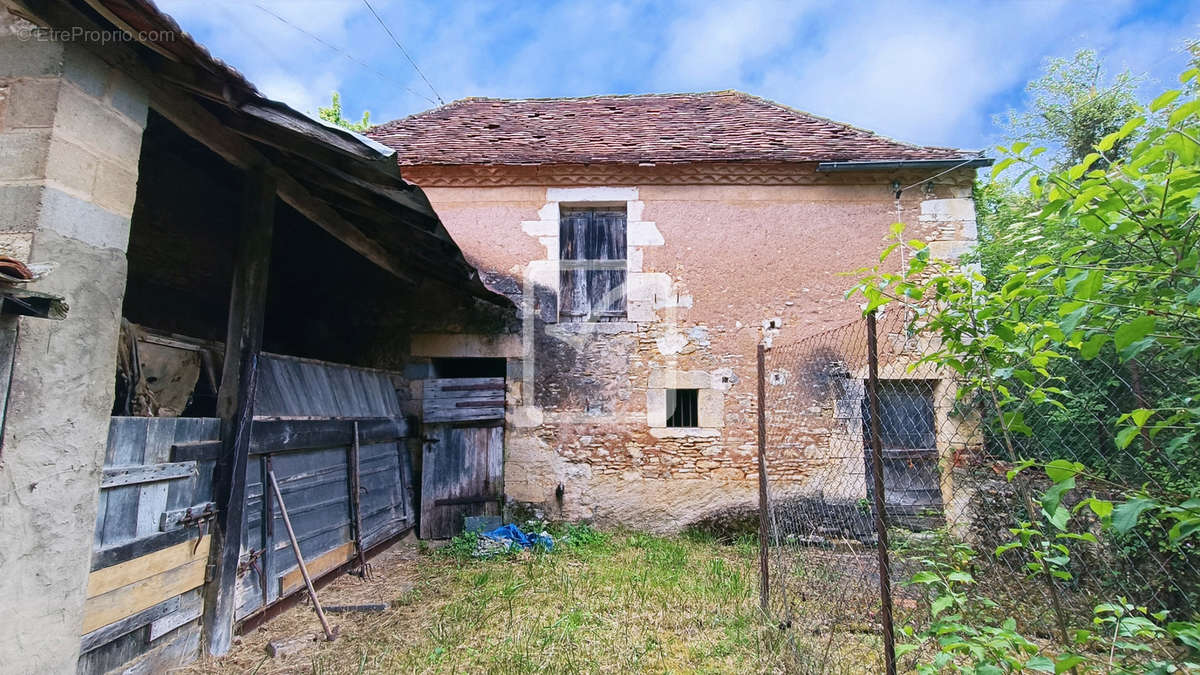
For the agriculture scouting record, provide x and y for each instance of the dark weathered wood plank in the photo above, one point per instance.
(147, 473)
(235, 401)
(126, 447)
(196, 451)
(272, 436)
(112, 631)
(107, 557)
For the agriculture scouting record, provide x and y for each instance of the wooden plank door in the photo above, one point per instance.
(461, 475)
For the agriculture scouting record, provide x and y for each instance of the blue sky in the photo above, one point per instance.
(918, 70)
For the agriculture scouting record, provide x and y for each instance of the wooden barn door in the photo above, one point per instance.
(462, 468)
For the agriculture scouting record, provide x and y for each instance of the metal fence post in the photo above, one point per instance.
(763, 531)
(881, 541)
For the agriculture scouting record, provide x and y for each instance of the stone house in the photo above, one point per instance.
(651, 242)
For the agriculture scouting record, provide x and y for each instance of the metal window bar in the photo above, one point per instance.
(683, 407)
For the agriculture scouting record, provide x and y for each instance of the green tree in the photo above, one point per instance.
(1125, 288)
(333, 114)
(1073, 105)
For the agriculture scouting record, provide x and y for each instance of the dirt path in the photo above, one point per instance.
(395, 576)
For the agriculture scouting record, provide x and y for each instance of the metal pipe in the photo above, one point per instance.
(881, 540)
(965, 163)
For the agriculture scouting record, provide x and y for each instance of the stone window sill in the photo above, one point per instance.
(591, 327)
(684, 432)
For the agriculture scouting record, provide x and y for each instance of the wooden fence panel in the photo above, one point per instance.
(148, 554)
(301, 401)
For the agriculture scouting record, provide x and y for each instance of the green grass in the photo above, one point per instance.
(601, 602)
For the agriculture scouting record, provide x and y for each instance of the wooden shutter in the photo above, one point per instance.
(572, 279)
(606, 281)
(592, 263)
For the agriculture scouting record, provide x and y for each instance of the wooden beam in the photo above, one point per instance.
(113, 555)
(196, 451)
(146, 473)
(271, 436)
(243, 342)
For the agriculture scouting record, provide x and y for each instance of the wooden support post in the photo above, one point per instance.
(764, 533)
(354, 473)
(235, 403)
(881, 538)
(268, 532)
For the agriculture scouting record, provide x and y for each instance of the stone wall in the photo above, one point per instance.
(713, 268)
(70, 136)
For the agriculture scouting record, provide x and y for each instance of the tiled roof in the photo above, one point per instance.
(724, 126)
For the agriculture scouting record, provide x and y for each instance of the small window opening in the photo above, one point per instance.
(468, 367)
(683, 407)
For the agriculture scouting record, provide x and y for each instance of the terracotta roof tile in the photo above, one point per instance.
(720, 126)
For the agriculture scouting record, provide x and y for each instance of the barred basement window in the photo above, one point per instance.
(683, 409)
(591, 255)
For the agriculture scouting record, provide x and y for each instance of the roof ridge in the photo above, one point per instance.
(726, 124)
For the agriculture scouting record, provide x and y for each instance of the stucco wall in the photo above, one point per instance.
(712, 269)
(70, 134)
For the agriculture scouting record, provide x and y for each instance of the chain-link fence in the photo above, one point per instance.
(949, 504)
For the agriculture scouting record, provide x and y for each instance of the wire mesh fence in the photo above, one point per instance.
(948, 502)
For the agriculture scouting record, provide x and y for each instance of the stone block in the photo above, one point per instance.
(634, 258)
(634, 210)
(940, 210)
(949, 250)
(540, 228)
(549, 212)
(637, 310)
(656, 408)
(129, 98)
(642, 233)
(663, 378)
(115, 189)
(29, 58)
(89, 123)
(647, 286)
(85, 70)
(592, 194)
(671, 343)
(79, 219)
(23, 154)
(71, 167)
(684, 432)
(711, 408)
(32, 103)
(20, 206)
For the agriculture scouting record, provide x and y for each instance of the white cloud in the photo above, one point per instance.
(923, 71)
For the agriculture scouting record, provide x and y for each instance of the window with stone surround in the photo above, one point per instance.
(592, 264)
(683, 407)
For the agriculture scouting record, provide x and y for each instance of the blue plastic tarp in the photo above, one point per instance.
(513, 535)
